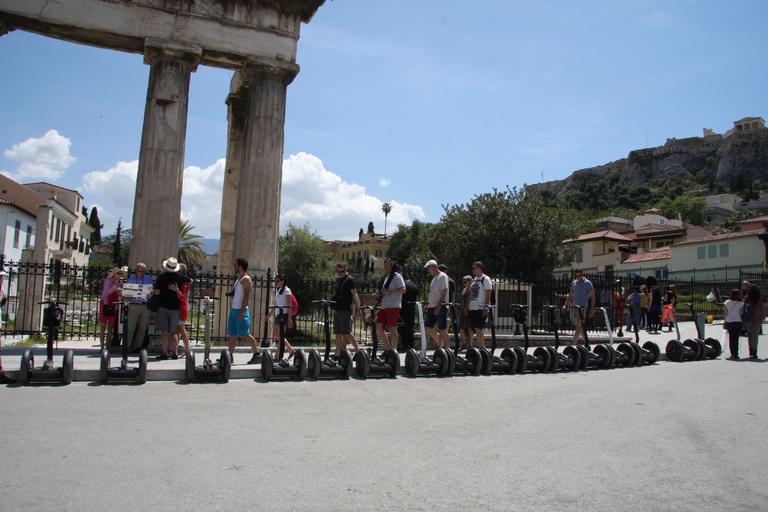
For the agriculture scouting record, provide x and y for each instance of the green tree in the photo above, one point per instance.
(510, 231)
(93, 220)
(304, 255)
(191, 251)
(109, 243)
(731, 223)
(117, 257)
(689, 207)
(386, 208)
(407, 238)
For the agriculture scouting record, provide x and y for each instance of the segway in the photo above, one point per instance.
(471, 361)
(602, 356)
(492, 363)
(694, 349)
(388, 364)
(48, 373)
(282, 367)
(210, 370)
(570, 358)
(418, 363)
(625, 353)
(328, 366)
(541, 359)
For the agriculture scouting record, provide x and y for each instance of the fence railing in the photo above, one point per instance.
(80, 287)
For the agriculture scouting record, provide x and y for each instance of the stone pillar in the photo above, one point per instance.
(258, 199)
(31, 287)
(157, 206)
(237, 101)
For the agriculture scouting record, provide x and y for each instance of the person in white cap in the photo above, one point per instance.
(168, 287)
(436, 313)
(4, 379)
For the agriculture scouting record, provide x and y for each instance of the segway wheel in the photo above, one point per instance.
(27, 362)
(554, 356)
(574, 355)
(104, 366)
(628, 352)
(267, 364)
(522, 359)
(542, 354)
(392, 358)
(300, 362)
(411, 363)
(654, 351)
(143, 366)
(694, 347)
(362, 364)
(475, 357)
(604, 353)
(314, 363)
(487, 366)
(703, 351)
(584, 356)
(346, 364)
(638, 352)
(68, 367)
(189, 367)
(225, 364)
(440, 357)
(510, 358)
(451, 362)
(715, 349)
(675, 351)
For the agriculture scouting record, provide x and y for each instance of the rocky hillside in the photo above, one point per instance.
(734, 161)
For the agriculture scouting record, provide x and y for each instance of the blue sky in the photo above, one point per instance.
(420, 104)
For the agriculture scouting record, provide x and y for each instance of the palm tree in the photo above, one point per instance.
(386, 208)
(190, 247)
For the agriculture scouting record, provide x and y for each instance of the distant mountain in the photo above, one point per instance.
(210, 245)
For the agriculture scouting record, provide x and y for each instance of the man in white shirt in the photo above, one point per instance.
(436, 312)
(479, 299)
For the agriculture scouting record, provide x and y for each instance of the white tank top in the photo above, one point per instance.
(237, 300)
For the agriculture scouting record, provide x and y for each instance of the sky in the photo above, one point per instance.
(420, 104)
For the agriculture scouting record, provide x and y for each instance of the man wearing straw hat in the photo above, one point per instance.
(167, 317)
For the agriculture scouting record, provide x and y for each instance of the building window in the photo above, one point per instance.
(28, 244)
(723, 250)
(712, 251)
(701, 253)
(366, 254)
(16, 234)
(662, 274)
(580, 256)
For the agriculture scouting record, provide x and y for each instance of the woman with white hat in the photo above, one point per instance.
(110, 296)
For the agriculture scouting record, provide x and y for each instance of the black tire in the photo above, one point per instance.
(703, 351)
(143, 366)
(443, 361)
(476, 359)
(411, 363)
(510, 359)
(392, 358)
(451, 362)
(487, 365)
(522, 359)
(27, 363)
(675, 351)
(104, 366)
(300, 362)
(573, 354)
(651, 352)
(627, 352)
(362, 364)
(345, 360)
(604, 353)
(542, 354)
(68, 367)
(554, 357)
(267, 365)
(695, 349)
(638, 352)
(189, 367)
(314, 364)
(225, 365)
(714, 348)
(585, 359)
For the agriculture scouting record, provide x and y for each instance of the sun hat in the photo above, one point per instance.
(171, 264)
(114, 271)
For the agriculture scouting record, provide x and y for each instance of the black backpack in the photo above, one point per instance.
(749, 312)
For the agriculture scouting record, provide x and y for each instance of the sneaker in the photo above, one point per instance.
(255, 359)
(4, 379)
(174, 355)
(163, 357)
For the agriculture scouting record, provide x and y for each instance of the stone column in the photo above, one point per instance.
(258, 200)
(157, 206)
(237, 101)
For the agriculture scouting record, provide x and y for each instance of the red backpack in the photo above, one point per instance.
(295, 304)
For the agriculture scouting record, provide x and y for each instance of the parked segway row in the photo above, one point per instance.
(507, 362)
(602, 356)
(469, 361)
(370, 363)
(210, 370)
(328, 366)
(282, 367)
(630, 353)
(418, 363)
(48, 372)
(694, 349)
(570, 358)
(541, 360)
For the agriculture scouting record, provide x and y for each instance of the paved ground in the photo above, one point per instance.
(673, 436)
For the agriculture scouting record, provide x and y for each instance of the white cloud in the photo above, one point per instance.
(113, 190)
(44, 158)
(384, 182)
(201, 198)
(332, 207)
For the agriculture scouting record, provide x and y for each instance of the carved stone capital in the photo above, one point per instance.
(156, 50)
(273, 69)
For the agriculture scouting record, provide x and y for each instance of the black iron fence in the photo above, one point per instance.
(80, 287)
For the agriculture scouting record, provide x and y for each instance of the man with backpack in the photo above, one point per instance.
(480, 293)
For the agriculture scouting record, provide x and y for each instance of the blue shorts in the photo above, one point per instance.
(441, 318)
(237, 328)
